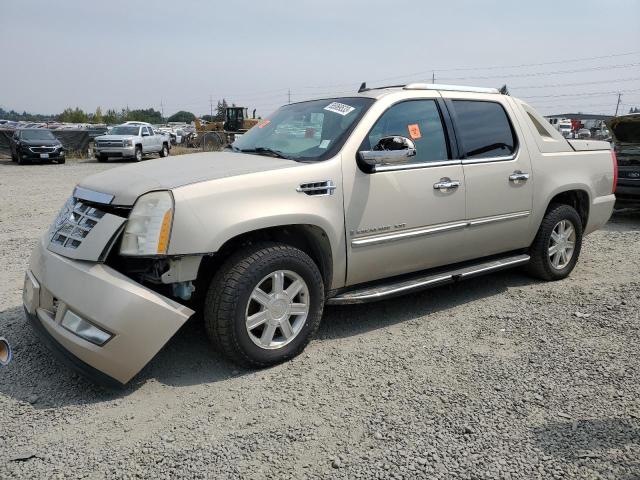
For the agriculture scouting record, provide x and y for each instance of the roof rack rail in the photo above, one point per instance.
(453, 88)
(431, 86)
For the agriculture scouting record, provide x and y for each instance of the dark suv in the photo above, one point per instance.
(625, 131)
(31, 144)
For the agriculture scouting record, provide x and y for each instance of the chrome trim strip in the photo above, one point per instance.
(92, 196)
(412, 166)
(392, 291)
(471, 161)
(392, 237)
(404, 234)
(499, 218)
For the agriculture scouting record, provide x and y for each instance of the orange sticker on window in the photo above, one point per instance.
(414, 131)
(264, 123)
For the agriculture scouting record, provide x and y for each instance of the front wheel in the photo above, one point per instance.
(138, 154)
(165, 151)
(264, 304)
(557, 245)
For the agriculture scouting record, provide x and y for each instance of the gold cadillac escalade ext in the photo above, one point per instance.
(330, 201)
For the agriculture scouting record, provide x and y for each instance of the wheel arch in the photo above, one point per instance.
(578, 198)
(311, 239)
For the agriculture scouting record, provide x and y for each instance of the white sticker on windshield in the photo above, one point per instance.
(324, 144)
(339, 108)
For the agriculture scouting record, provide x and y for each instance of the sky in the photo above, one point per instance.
(560, 56)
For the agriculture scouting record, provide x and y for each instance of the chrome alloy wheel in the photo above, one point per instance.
(562, 244)
(277, 309)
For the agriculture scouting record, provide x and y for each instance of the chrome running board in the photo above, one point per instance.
(416, 283)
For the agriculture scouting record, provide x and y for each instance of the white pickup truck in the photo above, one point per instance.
(132, 140)
(330, 201)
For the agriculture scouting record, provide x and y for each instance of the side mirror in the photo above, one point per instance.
(393, 150)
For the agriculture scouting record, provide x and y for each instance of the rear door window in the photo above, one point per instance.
(484, 129)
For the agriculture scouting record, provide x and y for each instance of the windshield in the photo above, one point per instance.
(307, 131)
(37, 135)
(125, 130)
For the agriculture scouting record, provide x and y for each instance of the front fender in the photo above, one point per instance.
(209, 214)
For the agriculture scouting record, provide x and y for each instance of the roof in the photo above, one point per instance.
(581, 116)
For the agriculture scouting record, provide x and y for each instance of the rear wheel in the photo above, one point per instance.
(138, 154)
(264, 304)
(557, 245)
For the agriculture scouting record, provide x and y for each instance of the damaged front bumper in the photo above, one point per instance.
(138, 320)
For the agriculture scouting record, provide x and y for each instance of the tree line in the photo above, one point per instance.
(113, 116)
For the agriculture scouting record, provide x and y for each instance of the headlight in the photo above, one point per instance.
(128, 143)
(149, 225)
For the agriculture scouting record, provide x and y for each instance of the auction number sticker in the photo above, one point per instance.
(339, 108)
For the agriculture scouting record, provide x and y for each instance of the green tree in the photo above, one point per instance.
(221, 110)
(148, 115)
(182, 116)
(111, 117)
(97, 116)
(73, 116)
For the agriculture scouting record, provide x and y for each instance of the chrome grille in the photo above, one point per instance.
(42, 149)
(110, 143)
(73, 224)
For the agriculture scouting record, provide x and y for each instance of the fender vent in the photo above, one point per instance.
(317, 188)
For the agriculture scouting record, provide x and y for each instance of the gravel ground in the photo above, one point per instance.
(502, 377)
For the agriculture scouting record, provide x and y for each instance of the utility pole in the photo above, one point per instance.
(433, 77)
(289, 95)
(162, 110)
(211, 105)
(618, 104)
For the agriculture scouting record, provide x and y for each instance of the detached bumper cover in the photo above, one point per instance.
(141, 320)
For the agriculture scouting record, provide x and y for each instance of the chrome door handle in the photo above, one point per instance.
(518, 176)
(445, 184)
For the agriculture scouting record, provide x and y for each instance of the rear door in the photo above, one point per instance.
(497, 172)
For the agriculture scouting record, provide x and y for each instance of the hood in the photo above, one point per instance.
(41, 143)
(114, 137)
(625, 129)
(127, 183)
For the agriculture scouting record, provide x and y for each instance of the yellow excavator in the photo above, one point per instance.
(215, 135)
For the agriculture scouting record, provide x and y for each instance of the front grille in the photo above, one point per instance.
(110, 143)
(73, 224)
(633, 175)
(42, 149)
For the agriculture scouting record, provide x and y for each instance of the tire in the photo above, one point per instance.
(23, 161)
(229, 304)
(164, 152)
(61, 161)
(549, 266)
(14, 158)
(102, 158)
(138, 154)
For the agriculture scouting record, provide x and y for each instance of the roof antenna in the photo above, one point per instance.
(363, 87)
(504, 90)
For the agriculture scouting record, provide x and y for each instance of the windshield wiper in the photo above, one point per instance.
(271, 151)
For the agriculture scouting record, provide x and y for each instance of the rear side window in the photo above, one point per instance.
(418, 120)
(484, 129)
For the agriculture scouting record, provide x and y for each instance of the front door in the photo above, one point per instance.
(404, 218)
(498, 175)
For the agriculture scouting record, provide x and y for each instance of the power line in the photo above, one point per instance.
(585, 94)
(576, 84)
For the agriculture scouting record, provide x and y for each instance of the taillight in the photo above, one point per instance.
(614, 157)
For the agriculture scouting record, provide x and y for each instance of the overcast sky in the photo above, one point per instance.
(121, 53)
